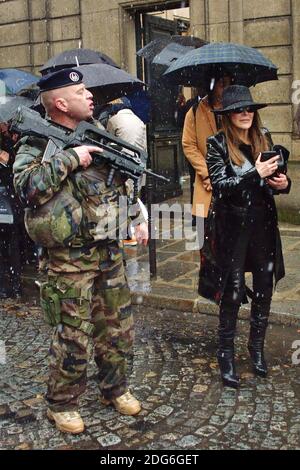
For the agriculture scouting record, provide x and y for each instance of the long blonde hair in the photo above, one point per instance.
(258, 141)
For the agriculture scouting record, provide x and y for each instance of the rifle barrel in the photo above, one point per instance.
(163, 178)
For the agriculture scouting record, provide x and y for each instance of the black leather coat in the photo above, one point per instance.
(228, 213)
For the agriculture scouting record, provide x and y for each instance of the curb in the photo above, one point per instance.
(290, 232)
(205, 307)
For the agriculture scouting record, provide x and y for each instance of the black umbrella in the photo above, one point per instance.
(31, 92)
(165, 50)
(75, 58)
(247, 64)
(10, 104)
(108, 82)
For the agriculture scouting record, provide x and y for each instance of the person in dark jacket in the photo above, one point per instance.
(11, 224)
(242, 233)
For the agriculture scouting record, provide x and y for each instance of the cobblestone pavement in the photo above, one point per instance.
(178, 270)
(174, 374)
(178, 274)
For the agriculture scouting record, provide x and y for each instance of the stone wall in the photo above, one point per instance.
(31, 31)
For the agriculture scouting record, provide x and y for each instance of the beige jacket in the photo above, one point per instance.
(129, 127)
(197, 128)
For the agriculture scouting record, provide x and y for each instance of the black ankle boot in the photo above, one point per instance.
(258, 327)
(227, 369)
(225, 354)
(258, 362)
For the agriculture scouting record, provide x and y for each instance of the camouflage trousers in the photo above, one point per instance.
(103, 305)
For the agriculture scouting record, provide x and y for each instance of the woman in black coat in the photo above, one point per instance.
(242, 233)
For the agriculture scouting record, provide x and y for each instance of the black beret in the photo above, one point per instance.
(60, 79)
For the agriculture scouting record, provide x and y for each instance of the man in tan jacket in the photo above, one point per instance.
(199, 124)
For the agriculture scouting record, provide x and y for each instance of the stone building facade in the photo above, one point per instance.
(31, 31)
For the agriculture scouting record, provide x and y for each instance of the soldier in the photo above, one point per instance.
(86, 293)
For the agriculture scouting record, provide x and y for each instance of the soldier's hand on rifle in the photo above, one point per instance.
(84, 154)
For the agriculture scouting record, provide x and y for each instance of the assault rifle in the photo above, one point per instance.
(127, 159)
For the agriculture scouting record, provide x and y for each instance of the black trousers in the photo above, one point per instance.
(255, 250)
(10, 260)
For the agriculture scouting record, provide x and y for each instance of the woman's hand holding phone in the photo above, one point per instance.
(279, 181)
(268, 167)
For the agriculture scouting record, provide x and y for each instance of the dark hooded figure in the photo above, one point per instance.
(242, 233)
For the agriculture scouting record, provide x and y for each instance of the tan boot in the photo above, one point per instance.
(67, 421)
(126, 404)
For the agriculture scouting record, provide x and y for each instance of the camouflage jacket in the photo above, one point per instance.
(39, 183)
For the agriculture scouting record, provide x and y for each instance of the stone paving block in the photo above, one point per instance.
(6, 412)
(243, 446)
(24, 416)
(14, 430)
(279, 407)
(242, 418)
(188, 441)
(258, 427)
(164, 410)
(206, 431)
(218, 420)
(153, 419)
(278, 426)
(170, 437)
(234, 428)
(272, 442)
(114, 426)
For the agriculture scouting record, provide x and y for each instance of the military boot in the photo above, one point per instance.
(258, 327)
(126, 404)
(67, 421)
(225, 353)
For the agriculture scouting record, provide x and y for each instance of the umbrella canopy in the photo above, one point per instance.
(108, 82)
(75, 58)
(10, 104)
(247, 64)
(31, 92)
(13, 80)
(165, 50)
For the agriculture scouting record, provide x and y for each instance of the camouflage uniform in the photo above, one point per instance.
(86, 279)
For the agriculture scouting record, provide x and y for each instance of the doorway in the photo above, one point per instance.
(164, 133)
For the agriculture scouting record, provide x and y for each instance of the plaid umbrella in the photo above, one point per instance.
(74, 58)
(247, 64)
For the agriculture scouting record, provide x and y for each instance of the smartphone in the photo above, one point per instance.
(267, 155)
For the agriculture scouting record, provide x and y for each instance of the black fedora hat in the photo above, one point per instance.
(235, 97)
